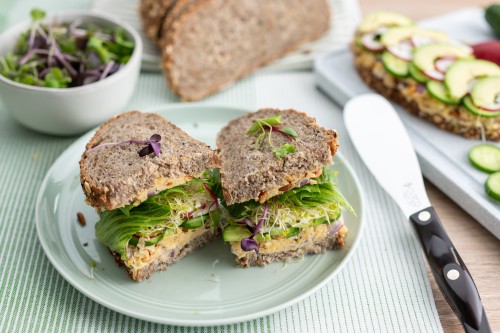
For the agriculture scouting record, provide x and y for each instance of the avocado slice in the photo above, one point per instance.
(397, 35)
(424, 57)
(463, 71)
(377, 20)
(439, 91)
(486, 93)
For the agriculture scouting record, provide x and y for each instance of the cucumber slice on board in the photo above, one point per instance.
(417, 74)
(485, 157)
(395, 66)
(439, 91)
(492, 185)
(469, 105)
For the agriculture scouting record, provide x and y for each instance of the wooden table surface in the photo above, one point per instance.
(479, 249)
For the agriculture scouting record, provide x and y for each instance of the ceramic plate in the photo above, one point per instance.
(205, 288)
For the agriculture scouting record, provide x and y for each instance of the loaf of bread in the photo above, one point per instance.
(208, 44)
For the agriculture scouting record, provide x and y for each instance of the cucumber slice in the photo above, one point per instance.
(439, 91)
(485, 157)
(469, 105)
(235, 233)
(395, 66)
(417, 74)
(194, 223)
(492, 185)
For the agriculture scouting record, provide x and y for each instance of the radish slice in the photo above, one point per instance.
(442, 64)
(495, 106)
(369, 42)
(491, 107)
(434, 75)
(403, 50)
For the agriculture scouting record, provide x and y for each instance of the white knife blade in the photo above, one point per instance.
(384, 146)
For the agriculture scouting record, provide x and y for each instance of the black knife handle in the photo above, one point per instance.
(450, 272)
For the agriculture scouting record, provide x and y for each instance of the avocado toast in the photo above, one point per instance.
(431, 75)
(151, 184)
(279, 192)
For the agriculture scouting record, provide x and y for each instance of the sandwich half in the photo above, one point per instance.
(280, 194)
(152, 185)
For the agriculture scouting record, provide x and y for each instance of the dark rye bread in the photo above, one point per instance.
(312, 245)
(453, 118)
(213, 43)
(152, 13)
(248, 172)
(115, 176)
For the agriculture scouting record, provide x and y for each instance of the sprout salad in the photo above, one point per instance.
(65, 54)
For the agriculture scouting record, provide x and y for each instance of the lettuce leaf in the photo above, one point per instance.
(116, 228)
(310, 204)
(159, 214)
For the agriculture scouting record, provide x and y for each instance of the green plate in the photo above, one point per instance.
(205, 288)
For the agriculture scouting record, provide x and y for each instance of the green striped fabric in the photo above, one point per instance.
(383, 288)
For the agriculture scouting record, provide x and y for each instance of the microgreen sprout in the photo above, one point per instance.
(152, 145)
(268, 125)
(65, 54)
(249, 243)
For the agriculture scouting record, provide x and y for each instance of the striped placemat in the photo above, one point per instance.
(383, 288)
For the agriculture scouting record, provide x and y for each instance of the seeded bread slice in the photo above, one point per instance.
(249, 173)
(152, 13)
(215, 42)
(416, 100)
(179, 8)
(116, 176)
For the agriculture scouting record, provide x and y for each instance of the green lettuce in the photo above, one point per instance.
(308, 205)
(156, 217)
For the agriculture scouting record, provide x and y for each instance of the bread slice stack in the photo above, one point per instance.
(208, 44)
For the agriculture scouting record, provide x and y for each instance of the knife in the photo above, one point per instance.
(384, 146)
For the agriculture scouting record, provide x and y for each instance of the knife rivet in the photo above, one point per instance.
(453, 274)
(424, 216)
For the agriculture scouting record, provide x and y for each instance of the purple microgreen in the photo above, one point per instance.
(107, 69)
(59, 56)
(212, 194)
(32, 53)
(153, 145)
(261, 221)
(248, 223)
(249, 244)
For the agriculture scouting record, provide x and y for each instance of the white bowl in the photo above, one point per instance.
(70, 111)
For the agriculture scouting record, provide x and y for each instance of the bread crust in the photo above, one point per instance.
(182, 159)
(249, 173)
(453, 118)
(170, 45)
(153, 13)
